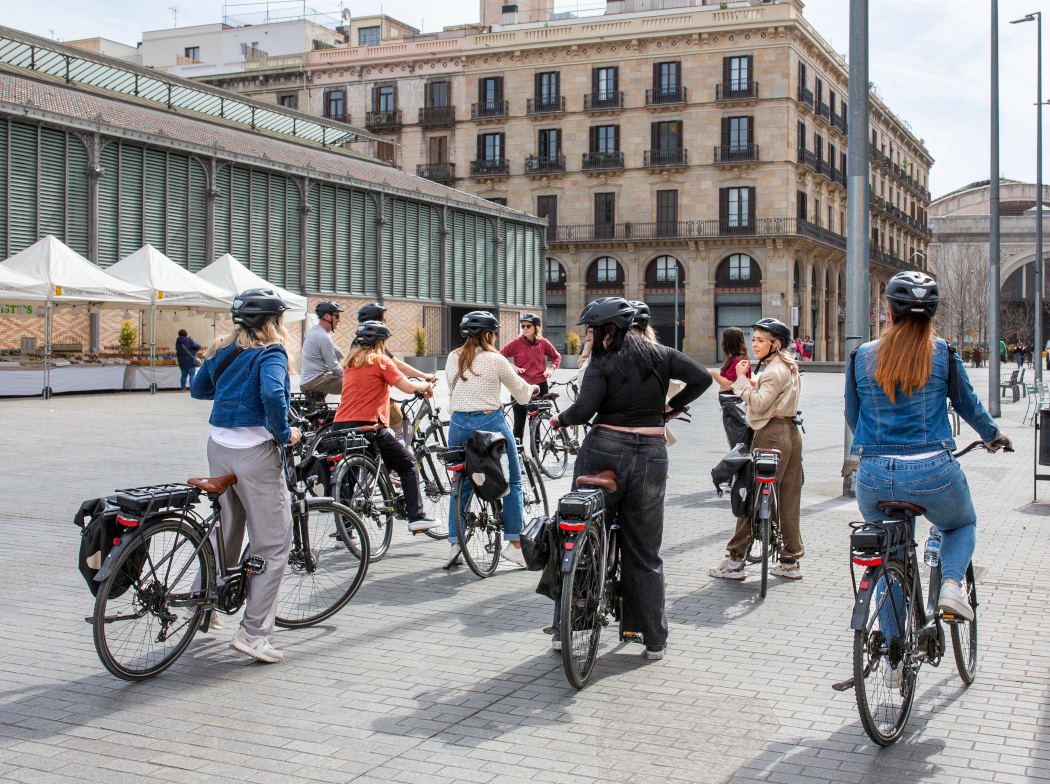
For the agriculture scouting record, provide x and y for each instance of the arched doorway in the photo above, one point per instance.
(554, 329)
(738, 296)
(662, 295)
(796, 301)
(605, 278)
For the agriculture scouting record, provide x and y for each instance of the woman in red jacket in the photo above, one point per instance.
(528, 354)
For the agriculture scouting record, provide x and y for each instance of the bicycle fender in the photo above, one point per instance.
(765, 503)
(567, 553)
(115, 551)
(865, 592)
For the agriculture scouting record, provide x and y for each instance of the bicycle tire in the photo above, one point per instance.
(341, 562)
(549, 447)
(876, 679)
(374, 507)
(126, 596)
(536, 495)
(479, 530)
(437, 437)
(581, 596)
(763, 526)
(964, 635)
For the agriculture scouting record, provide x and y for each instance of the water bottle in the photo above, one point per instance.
(933, 548)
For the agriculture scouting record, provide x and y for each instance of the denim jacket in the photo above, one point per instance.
(254, 391)
(914, 424)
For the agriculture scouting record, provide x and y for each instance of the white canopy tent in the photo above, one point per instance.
(71, 279)
(230, 275)
(14, 286)
(171, 288)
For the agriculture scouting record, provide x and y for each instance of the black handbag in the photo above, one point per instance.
(484, 465)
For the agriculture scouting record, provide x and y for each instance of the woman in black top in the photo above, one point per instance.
(624, 389)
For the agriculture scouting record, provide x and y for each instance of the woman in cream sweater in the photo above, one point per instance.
(476, 372)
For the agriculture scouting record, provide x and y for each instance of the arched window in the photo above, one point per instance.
(605, 271)
(555, 274)
(738, 271)
(663, 271)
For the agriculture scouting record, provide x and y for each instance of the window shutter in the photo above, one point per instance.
(654, 136)
(594, 82)
(536, 91)
(751, 211)
(616, 78)
(750, 70)
(723, 204)
(481, 146)
(616, 138)
(375, 99)
(679, 128)
(725, 73)
(502, 142)
(751, 129)
(499, 88)
(481, 91)
(725, 131)
(656, 76)
(677, 75)
(557, 142)
(394, 107)
(593, 132)
(556, 83)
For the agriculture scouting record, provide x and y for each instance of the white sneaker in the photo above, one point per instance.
(455, 556)
(256, 647)
(422, 524)
(953, 602)
(556, 643)
(513, 554)
(790, 571)
(726, 572)
(216, 623)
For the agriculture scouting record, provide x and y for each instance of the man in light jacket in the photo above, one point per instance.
(321, 371)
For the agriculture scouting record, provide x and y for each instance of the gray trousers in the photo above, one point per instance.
(331, 383)
(259, 501)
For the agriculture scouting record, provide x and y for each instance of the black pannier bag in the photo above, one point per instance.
(484, 465)
(737, 470)
(537, 542)
(734, 419)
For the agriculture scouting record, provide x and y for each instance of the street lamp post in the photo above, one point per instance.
(1037, 349)
(993, 223)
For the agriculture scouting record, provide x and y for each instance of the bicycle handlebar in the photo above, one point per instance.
(984, 446)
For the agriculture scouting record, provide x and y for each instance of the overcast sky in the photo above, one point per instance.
(929, 60)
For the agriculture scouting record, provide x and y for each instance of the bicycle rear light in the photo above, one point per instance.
(130, 522)
(571, 525)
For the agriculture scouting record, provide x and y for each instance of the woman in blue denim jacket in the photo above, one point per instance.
(896, 392)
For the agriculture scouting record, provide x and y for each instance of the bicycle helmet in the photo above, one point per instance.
(641, 314)
(324, 308)
(530, 318)
(253, 307)
(608, 310)
(372, 312)
(371, 332)
(477, 323)
(912, 294)
(778, 329)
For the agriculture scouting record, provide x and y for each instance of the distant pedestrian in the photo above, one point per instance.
(1019, 354)
(186, 349)
(976, 356)
(807, 348)
(1047, 354)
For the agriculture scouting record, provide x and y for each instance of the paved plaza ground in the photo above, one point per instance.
(434, 676)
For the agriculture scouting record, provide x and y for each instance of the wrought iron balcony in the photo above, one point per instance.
(728, 153)
(660, 158)
(436, 171)
(552, 105)
(437, 115)
(602, 160)
(665, 95)
(807, 158)
(490, 167)
(839, 121)
(736, 91)
(538, 164)
(383, 120)
(805, 96)
(595, 102)
(489, 109)
(823, 110)
(889, 260)
(656, 230)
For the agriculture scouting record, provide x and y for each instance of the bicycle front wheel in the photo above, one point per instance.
(549, 448)
(361, 486)
(533, 492)
(435, 484)
(323, 571)
(964, 634)
(882, 680)
(153, 601)
(581, 596)
(479, 528)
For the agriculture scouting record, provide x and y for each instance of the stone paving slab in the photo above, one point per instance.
(431, 676)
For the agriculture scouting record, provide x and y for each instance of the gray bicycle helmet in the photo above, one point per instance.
(371, 312)
(371, 332)
(641, 314)
(608, 310)
(253, 307)
(530, 318)
(778, 329)
(912, 294)
(476, 323)
(324, 308)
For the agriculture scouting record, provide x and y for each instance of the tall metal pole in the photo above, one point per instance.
(857, 218)
(676, 307)
(993, 232)
(1037, 349)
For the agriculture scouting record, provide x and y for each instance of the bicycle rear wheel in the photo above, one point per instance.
(763, 527)
(533, 491)
(884, 685)
(152, 603)
(360, 485)
(964, 634)
(549, 448)
(323, 572)
(581, 596)
(479, 529)
(435, 484)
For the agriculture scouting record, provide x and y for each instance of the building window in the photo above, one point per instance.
(385, 151)
(335, 105)
(801, 208)
(739, 72)
(193, 53)
(368, 36)
(802, 76)
(555, 273)
(801, 135)
(490, 93)
(550, 144)
(739, 132)
(384, 99)
(437, 95)
(667, 213)
(288, 101)
(547, 88)
(739, 267)
(437, 149)
(736, 208)
(605, 138)
(607, 270)
(500, 200)
(604, 209)
(490, 146)
(547, 207)
(666, 269)
(667, 78)
(667, 136)
(606, 82)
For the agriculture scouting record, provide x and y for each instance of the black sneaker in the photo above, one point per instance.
(655, 652)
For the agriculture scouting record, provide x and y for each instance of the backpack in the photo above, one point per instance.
(484, 464)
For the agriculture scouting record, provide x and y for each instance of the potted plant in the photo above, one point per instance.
(571, 360)
(420, 360)
(127, 339)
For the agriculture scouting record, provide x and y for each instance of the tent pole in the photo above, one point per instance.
(152, 350)
(47, 350)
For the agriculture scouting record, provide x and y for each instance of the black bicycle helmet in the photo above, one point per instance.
(371, 332)
(608, 310)
(251, 308)
(530, 318)
(476, 323)
(324, 308)
(372, 312)
(778, 329)
(912, 294)
(641, 314)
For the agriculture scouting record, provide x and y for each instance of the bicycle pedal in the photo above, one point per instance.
(952, 619)
(253, 564)
(632, 637)
(546, 629)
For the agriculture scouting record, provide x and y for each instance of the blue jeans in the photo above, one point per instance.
(462, 425)
(937, 484)
(187, 373)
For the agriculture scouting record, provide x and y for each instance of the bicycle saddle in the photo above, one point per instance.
(366, 428)
(606, 480)
(776, 452)
(551, 395)
(215, 484)
(889, 507)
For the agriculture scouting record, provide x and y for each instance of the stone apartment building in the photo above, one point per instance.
(692, 157)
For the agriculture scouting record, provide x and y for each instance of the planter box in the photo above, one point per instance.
(570, 361)
(424, 364)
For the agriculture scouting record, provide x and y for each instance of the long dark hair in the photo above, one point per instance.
(626, 349)
(733, 345)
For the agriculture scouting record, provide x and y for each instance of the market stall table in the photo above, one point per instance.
(29, 380)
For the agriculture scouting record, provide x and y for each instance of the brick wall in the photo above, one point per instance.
(66, 328)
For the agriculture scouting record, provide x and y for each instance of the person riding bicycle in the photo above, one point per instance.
(624, 390)
(529, 352)
(896, 393)
(368, 375)
(245, 373)
(772, 404)
(475, 373)
(320, 370)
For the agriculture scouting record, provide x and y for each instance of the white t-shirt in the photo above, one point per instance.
(240, 437)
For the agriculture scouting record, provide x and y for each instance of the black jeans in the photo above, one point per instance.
(640, 464)
(399, 459)
(521, 415)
